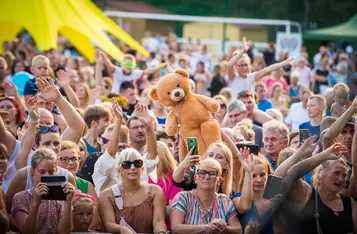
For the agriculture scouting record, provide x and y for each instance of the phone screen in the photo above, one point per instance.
(254, 149)
(273, 186)
(304, 135)
(192, 142)
(55, 190)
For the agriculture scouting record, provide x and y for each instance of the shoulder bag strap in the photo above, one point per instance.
(317, 215)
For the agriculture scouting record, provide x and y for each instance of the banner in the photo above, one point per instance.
(291, 42)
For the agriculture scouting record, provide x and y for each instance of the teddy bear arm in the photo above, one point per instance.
(210, 104)
(171, 124)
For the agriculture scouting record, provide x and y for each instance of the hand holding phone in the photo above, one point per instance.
(304, 135)
(192, 143)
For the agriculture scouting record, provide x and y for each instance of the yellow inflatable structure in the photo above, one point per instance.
(80, 21)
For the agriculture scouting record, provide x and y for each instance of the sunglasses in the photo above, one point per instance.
(104, 140)
(45, 129)
(203, 173)
(223, 106)
(127, 164)
(66, 160)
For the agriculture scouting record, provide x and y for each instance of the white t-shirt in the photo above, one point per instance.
(241, 84)
(297, 115)
(120, 77)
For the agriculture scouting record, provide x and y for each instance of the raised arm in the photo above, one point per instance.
(179, 173)
(30, 134)
(107, 63)
(235, 58)
(337, 127)
(304, 152)
(260, 74)
(114, 140)
(150, 71)
(76, 124)
(98, 69)
(353, 185)
(5, 136)
(11, 90)
(63, 82)
(261, 117)
(334, 152)
(142, 113)
(244, 202)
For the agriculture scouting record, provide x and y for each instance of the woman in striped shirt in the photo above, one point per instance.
(203, 210)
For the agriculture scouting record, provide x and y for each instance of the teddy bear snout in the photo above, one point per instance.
(177, 94)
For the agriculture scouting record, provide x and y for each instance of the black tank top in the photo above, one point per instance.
(330, 223)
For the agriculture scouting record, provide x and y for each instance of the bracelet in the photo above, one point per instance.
(29, 120)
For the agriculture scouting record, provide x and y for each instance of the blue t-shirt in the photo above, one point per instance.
(30, 87)
(313, 130)
(90, 149)
(273, 165)
(264, 105)
(252, 214)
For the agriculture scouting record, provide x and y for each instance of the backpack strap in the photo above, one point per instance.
(149, 190)
(118, 199)
(317, 215)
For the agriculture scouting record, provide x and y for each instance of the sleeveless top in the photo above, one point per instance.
(60, 172)
(330, 223)
(140, 217)
(82, 185)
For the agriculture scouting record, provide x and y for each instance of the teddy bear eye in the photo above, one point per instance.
(168, 93)
(178, 86)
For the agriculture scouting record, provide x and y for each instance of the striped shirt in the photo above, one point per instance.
(222, 208)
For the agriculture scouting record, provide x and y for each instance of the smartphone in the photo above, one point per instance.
(192, 142)
(304, 135)
(55, 190)
(273, 186)
(254, 149)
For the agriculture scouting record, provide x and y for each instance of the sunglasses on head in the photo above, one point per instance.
(127, 164)
(45, 129)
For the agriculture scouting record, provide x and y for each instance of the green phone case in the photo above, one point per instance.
(192, 142)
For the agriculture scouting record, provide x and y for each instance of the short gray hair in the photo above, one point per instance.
(236, 104)
(276, 126)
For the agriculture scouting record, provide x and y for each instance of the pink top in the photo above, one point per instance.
(270, 82)
(169, 189)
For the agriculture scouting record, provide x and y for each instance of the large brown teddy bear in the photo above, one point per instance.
(190, 111)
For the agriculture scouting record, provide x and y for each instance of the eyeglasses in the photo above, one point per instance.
(242, 65)
(203, 173)
(235, 116)
(45, 129)
(67, 159)
(127, 164)
(104, 140)
(6, 107)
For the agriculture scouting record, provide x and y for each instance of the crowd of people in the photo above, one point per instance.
(287, 126)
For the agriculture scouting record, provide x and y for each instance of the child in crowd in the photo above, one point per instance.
(341, 94)
(82, 213)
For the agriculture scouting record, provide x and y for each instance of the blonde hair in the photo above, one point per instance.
(341, 88)
(125, 155)
(320, 99)
(70, 145)
(166, 160)
(228, 174)
(226, 92)
(278, 115)
(86, 89)
(129, 57)
(222, 98)
(43, 154)
(245, 127)
(275, 86)
(211, 163)
(316, 179)
(285, 154)
(39, 59)
(257, 160)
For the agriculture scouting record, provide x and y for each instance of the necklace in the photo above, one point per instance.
(128, 193)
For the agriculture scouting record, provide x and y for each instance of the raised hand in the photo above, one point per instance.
(291, 62)
(68, 189)
(190, 160)
(142, 112)
(48, 91)
(117, 110)
(33, 109)
(95, 93)
(245, 45)
(336, 151)
(62, 80)
(10, 88)
(246, 159)
(309, 146)
(39, 190)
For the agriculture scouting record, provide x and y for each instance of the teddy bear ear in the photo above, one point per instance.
(153, 94)
(182, 72)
